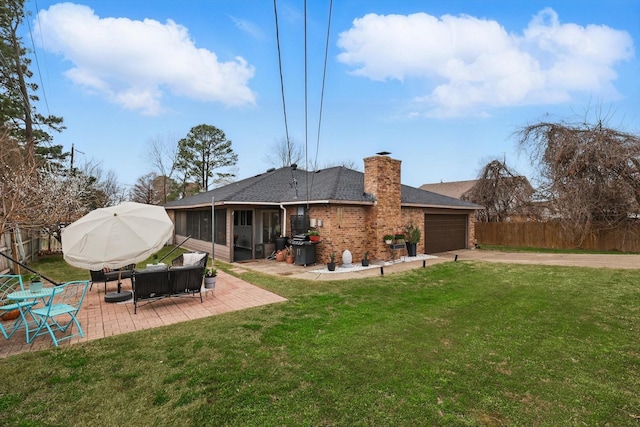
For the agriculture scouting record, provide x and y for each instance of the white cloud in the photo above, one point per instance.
(474, 64)
(247, 27)
(134, 63)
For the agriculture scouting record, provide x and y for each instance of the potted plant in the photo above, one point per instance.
(279, 256)
(388, 239)
(412, 236)
(288, 254)
(35, 283)
(332, 262)
(365, 259)
(314, 235)
(210, 275)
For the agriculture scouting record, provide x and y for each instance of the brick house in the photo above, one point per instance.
(351, 210)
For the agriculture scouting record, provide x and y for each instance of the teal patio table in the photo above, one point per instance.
(28, 299)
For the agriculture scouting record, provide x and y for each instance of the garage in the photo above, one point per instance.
(445, 232)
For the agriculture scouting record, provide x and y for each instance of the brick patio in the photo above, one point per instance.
(100, 319)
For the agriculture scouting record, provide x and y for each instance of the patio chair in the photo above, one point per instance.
(12, 310)
(61, 311)
(111, 275)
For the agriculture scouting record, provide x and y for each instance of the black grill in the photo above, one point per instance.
(304, 250)
(299, 239)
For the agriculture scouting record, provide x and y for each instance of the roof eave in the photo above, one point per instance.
(428, 205)
(287, 203)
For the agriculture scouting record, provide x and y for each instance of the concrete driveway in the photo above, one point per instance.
(313, 272)
(576, 260)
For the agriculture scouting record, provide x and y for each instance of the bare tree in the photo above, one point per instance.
(37, 197)
(106, 189)
(163, 157)
(501, 191)
(144, 190)
(589, 172)
(284, 153)
(347, 163)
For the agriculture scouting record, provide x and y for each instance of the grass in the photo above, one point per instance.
(457, 344)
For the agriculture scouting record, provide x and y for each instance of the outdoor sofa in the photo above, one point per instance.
(183, 278)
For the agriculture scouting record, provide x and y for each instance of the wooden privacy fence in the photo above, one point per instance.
(24, 247)
(552, 236)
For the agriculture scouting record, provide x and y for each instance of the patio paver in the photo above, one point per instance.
(100, 319)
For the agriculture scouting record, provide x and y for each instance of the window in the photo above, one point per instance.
(270, 226)
(221, 226)
(197, 224)
(242, 218)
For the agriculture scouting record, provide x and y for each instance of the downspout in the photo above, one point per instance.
(284, 220)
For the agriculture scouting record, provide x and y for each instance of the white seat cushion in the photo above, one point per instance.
(192, 258)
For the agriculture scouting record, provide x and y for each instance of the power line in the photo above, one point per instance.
(306, 114)
(284, 107)
(324, 75)
(306, 92)
(294, 183)
(35, 54)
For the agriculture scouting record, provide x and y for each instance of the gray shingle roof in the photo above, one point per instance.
(287, 185)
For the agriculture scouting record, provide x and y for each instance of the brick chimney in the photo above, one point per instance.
(382, 180)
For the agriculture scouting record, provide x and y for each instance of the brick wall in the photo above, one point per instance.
(343, 227)
(471, 226)
(382, 180)
(415, 216)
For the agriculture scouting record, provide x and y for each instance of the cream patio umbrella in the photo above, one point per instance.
(116, 236)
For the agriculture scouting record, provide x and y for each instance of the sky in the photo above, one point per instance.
(441, 85)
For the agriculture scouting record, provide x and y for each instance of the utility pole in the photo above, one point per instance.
(73, 150)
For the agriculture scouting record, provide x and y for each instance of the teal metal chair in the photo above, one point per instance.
(11, 283)
(61, 312)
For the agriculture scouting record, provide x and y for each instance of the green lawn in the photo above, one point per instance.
(459, 343)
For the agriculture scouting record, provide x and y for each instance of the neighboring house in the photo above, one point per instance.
(456, 189)
(518, 207)
(352, 210)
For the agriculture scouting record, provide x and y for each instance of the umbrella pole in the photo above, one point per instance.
(171, 251)
(30, 269)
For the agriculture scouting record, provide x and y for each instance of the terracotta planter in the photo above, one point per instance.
(11, 315)
(279, 256)
(314, 238)
(290, 259)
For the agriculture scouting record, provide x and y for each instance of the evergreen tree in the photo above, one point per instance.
(18, 92)
(204, 150)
